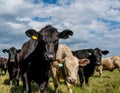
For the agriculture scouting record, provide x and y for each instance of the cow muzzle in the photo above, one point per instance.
(50, 57)
(72, 80)
(98, 63)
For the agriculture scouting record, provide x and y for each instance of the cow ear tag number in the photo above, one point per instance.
(34, 37)
(60, 65)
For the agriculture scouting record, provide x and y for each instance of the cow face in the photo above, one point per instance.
(71, 66)
(49, 38)
(4, 61)
(12, 53)
(98, 55)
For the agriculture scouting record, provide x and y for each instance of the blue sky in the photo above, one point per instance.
(95, 23)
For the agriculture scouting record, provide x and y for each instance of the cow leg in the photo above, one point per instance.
(17, 82)
(0, 71)
(100, 73)
(100, 70)
(10, 82)
(5, 71)
(10, 75)
(86, 80)
(55, 79)
(81, 76)
(18, 76)
(25, 83)
(69, 87)
(43, 87)
(119, 69)
(11, 78)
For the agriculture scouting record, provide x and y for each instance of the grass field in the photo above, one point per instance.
(110, 83)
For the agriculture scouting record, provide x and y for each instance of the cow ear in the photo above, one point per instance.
(5, 51)
(65, 34)
(105, 52)
(32, 34)
(84, 62)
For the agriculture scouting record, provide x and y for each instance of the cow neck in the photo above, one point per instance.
(92, 58)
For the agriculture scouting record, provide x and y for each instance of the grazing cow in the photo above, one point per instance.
(3, 65)
(109, 64)
(66, 67)
(94, 55)
(12, 64)
(37, 55)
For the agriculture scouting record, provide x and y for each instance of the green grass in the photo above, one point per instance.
(110, 83)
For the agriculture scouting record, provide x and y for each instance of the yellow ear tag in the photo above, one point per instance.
(34, 37)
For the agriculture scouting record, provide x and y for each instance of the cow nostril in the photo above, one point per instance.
(50, 57)
(98, 63)
(72, 81)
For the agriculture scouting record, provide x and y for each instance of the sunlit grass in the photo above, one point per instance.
(110, 83)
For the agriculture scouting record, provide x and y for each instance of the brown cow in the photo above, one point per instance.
(66, 67)
(109, 64)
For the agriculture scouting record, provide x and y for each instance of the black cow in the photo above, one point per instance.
(3, 65)
(94, 55)
(12, 64)
(37, 54)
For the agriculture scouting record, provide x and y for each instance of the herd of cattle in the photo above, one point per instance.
(42, 56)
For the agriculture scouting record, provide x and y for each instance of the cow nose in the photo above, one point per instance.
(97, 63)
(72, 80)
(51, 57)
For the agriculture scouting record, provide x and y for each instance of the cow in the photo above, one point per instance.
(12, 64)
(94, 55)
(3, 65)
(66, 67)
(37, 55)
(109, 64)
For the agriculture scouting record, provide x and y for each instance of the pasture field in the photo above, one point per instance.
(110, 83)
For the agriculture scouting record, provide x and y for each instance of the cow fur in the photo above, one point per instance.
(37, 55)
(109, 64)
(69, 70)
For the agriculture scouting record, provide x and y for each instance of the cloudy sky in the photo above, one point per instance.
(95, 23)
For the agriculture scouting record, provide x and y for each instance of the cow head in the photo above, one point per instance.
(12, 53)
(71, 66)
(97, 55)
(48, 39)
(4, 60)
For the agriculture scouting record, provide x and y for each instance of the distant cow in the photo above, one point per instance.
(109, 64)
(94, 55)
(12, 64)
(3, 65)
(66, 67)
(37, 54)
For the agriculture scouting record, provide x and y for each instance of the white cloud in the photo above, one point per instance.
(27, 19)
(15, 25)
(81, 16)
